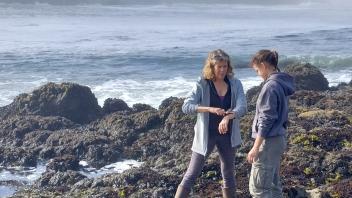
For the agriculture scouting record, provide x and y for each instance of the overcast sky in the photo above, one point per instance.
(327, 3)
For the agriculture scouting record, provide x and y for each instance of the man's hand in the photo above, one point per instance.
(253, 155)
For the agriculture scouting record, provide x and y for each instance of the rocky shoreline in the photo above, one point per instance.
(63, 124)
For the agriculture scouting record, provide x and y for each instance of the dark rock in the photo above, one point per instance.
(47, 153)
(167, 102)
(19, 127)
(142, 107)
(12, 156)
(297, 192)
(69, 100)
(100, 155)
(339, 86)
(315, 119)
(29, 161)
(120, 128)
(341, 189)
(56, 179)
(252, 96)
(144, 178)
(307, 77)
(168, 105)
(178, 127)
(64, 163)
(307, 98)
(146, 119)
(35, 139)
(97, 149)
(98, 183)
(300, 164)
(327, 138)
(338, 163)
(113, 105)
(55, 123)
(83, 184)
(337, 100)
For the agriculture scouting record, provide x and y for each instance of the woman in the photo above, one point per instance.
(269, 126)
(219, 101)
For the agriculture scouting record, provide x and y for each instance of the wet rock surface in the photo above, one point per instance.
(307, 77)
(317, 160)
(69, 100)
(112, 105)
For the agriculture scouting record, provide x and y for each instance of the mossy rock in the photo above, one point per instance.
(320, 113)
(308, 77)
(322, 118)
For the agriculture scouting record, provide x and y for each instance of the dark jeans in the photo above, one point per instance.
(227, 160)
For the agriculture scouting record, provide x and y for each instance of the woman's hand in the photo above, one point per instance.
(253, 155)
(223, 125)
(217, 111)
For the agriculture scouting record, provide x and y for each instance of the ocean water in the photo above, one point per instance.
(27, 175)
(144, 53)
(20, 175)
(117, 167)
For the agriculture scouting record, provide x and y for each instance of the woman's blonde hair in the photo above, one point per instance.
(213, 58)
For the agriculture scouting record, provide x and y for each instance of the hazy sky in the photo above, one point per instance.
(261, 2)
(345, 4)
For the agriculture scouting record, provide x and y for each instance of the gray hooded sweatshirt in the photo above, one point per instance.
(272, 106)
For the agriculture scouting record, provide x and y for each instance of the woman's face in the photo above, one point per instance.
(262, 70)
(220, 70)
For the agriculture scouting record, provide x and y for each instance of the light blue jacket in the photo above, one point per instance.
(200, 95)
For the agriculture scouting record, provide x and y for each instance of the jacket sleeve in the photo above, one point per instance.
(241, 101)
(192, 100)
(267, 112)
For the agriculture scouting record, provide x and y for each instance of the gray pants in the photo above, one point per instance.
(264, 181)
(227, 161)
